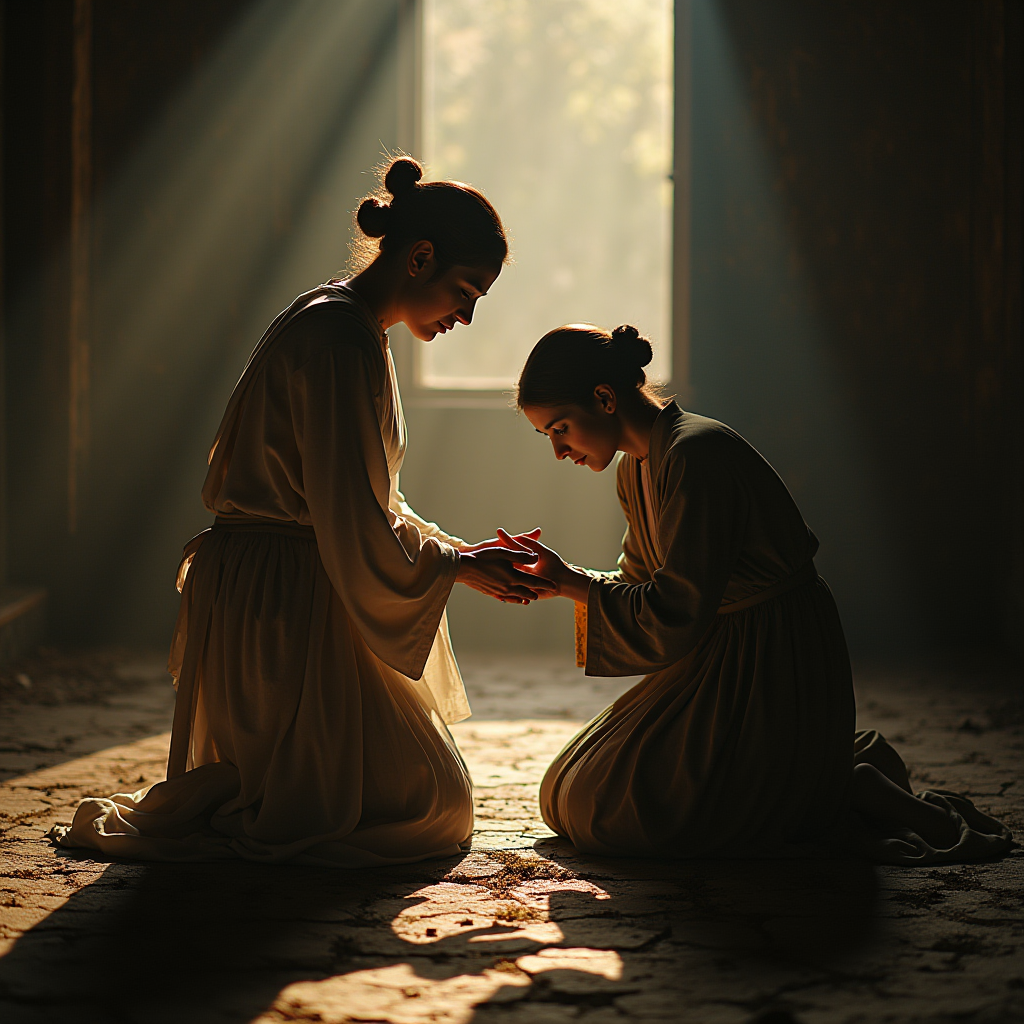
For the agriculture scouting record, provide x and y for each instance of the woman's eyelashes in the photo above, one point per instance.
(559, 431)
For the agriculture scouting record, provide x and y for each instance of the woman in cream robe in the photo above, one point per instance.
(739, 741)
(314, 673)
(311, 653)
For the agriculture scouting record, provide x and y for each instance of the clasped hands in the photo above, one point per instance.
(518, 569)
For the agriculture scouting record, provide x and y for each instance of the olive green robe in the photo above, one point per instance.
(740, 740)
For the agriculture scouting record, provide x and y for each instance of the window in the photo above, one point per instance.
(561, 112)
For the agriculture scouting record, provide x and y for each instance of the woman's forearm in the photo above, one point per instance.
(575, 584)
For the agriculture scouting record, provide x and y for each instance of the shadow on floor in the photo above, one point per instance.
(149, 944)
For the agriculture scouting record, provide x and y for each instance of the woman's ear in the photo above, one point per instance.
(421, 258)
(604, 395)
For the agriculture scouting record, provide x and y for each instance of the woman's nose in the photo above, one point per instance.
(561, 449)
(464, 315)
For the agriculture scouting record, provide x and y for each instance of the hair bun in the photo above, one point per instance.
(402, 176)
(631, 346)
(373, 218)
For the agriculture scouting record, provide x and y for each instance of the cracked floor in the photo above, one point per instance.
(522, 930)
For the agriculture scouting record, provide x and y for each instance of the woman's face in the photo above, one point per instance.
(590, 437)
(434, 303)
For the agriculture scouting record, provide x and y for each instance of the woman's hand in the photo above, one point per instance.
(496, 542)
(566, 581)
(493, 571)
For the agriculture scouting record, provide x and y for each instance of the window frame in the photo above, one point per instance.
(405, 349)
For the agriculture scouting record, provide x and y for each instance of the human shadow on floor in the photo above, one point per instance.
(156, 943)
(698, 927)
(149, 944)
(823, 909)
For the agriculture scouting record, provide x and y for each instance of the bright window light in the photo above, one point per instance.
(561, 112)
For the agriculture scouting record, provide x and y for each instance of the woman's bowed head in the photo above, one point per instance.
(426, 251)
(585, 389)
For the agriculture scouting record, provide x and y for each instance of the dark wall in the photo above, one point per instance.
(230, 142)
(856, 292)
(140, 53)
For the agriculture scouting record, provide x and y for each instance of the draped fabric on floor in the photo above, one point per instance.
(314, 671)
(739, 741)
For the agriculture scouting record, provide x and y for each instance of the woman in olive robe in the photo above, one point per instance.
(740, 739)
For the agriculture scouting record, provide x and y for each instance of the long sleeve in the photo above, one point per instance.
(400, 507)
(643, 622)
(393, 577)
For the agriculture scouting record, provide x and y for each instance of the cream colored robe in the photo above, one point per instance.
(314, 670)
(739, 741)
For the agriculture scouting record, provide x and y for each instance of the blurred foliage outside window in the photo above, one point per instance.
(560, 111)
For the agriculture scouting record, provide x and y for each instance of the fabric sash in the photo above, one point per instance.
(798, 579)
(240, 525)
(257, 524)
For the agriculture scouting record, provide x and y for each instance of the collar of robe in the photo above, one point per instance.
(661, 435)
(363, 304)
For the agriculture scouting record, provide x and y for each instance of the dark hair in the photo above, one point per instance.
(569, 362)
(464, 228)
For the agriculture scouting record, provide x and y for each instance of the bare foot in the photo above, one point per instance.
(875, 796)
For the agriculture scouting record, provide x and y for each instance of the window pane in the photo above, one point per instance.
(560, 111)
